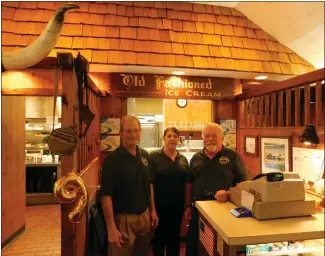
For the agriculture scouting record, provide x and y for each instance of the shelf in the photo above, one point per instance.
(291, 252)
(40, 198)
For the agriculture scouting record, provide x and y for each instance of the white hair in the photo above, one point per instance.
(214, 125)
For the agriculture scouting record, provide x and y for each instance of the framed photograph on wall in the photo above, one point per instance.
(251, 146)
(275, 154)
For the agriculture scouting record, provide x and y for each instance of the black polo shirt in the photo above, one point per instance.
(126, 178)
(170, 178)
(208, 176)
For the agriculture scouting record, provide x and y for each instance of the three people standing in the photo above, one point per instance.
(138, 188)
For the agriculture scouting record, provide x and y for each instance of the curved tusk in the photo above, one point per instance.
(42, 46)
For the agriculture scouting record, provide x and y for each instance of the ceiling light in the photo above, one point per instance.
(178, 73)
(261, 77)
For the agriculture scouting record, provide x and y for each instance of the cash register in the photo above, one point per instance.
(273, 195)
(276, 187)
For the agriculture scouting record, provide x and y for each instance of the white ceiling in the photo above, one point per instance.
(297, 25)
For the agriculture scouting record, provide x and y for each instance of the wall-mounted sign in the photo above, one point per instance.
(171, 87)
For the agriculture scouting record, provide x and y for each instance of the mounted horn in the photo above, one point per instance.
(42, 46)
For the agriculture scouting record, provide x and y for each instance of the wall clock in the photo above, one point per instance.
(181, 103)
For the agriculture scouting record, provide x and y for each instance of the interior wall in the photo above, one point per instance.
(254, 163)
(13, 168)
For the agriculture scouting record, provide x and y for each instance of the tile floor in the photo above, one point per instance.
(42, 235)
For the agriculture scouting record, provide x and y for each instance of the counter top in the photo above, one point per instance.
(42, 164)
(245, 231)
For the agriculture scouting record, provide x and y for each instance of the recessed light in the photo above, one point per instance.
(261, 77)
(178, 73)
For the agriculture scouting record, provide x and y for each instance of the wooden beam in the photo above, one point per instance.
(307, 103)
(318, 104)
(47, 63)
(308, 78)
(280, 109)
(29, 91)
(297, 106)
(70, 117)
(288, 107)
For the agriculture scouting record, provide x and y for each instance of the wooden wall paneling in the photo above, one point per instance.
(13, 168)
(318, 105)
(288, 107)
(254, 163)
(267, 110)
(273, 110)
(285, 84)
(280, 109)
(307, 104)
(297, 106)
(261, 111)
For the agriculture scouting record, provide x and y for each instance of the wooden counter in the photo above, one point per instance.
(246, 231)
(42, 164)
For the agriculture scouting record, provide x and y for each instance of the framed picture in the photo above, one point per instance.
(275, 154)
(251, 146)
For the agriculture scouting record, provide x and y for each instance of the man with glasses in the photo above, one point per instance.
(127, 194)
(213, 171)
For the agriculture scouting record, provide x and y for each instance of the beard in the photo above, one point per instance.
(211, 148)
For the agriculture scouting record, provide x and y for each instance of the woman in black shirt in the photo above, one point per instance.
(170, 169)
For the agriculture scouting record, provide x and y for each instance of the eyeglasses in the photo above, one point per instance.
(136, 131)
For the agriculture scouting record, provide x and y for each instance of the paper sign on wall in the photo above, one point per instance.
(309, 163)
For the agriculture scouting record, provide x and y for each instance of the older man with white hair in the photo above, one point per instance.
(213, 171)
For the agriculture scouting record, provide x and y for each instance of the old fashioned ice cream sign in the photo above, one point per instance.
(165, 86)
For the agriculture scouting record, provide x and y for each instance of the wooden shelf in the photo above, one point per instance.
(40, 198)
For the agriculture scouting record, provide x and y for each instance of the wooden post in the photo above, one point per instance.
(280, 109)
(307, 104)
(297, 106)
(288, 107)
(273, 110)
(318, 104)
(70, 117)
(261, 110)
(267, 110)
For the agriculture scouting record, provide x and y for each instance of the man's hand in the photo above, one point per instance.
(154, 219)
(115, 237)
(222, 196)
(188, 213)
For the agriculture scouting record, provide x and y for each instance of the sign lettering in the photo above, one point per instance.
(169, 87)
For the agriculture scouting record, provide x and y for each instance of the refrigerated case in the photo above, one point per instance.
(151, 131)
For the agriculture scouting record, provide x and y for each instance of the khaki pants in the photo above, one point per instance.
(135, 230)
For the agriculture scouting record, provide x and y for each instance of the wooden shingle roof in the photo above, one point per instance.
(162, 34)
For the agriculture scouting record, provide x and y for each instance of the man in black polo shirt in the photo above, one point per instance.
(127, 194)
(214, 170)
